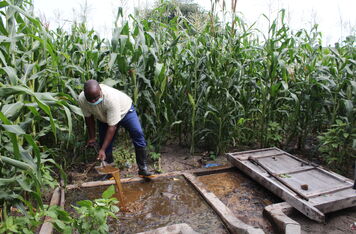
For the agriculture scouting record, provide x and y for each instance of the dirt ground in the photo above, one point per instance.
(336, 223)
(177, 158)
(173, 158)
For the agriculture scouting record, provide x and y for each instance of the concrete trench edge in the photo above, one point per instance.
(233, 224)
(277, 214)
(56, 200)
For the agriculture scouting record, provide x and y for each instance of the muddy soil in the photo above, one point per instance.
(244, 197)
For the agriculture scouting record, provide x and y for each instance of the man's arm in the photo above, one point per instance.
(110, 132)
(90, 122)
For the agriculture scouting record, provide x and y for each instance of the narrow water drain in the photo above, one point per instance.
(243, 196)
(156, 204)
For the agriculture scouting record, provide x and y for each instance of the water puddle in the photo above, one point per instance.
(155, 204)
(243, 196)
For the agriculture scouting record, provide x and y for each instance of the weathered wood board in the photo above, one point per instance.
(307, 187)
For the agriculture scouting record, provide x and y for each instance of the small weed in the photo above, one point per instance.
(284, 176)
(124, 157)
(212, 156)
(156, 157)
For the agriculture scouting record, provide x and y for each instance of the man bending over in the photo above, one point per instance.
(112, 108)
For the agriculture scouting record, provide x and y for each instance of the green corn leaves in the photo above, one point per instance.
(16, 163)
(16, 129)
(12, 111)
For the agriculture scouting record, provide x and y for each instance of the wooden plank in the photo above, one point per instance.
(328, 191)
(279, 179)
(317, 182)
(256, 153)
(333, 197)
(299, 159)
(305, 168)
(339, 177)
(323, 192)
(335, 201)
(279, 164)
(267, 155)
(252, 151)
(62, 201)
(279, 189)
(316, 166)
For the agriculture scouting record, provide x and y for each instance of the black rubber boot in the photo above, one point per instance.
(141, 160)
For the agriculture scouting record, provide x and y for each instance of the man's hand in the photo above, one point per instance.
(101, 155)
(91, 142)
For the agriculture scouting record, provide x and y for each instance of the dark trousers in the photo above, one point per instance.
(132, 124)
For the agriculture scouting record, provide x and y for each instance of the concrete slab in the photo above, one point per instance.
(277, 214)
(181, 228)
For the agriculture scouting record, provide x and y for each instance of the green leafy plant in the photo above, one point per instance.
(274, 135)
(92, 215)
(22, 224)
(338, 143)
(156, 157)
(29, 221)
